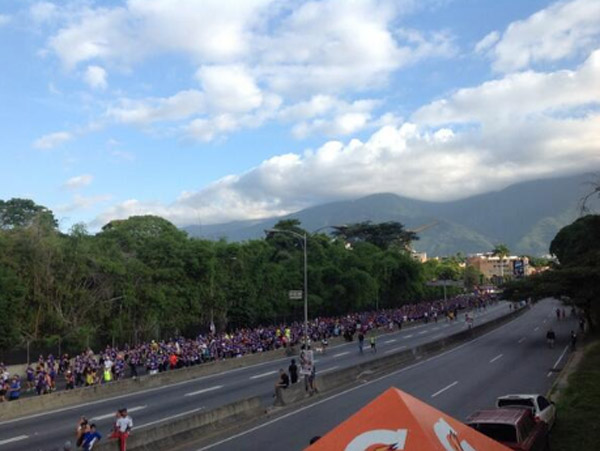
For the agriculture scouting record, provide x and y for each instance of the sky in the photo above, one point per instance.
(208, 111)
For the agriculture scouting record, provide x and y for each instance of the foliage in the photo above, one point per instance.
(382, 235)
(577, 277)
(577, 427)
(143, 278)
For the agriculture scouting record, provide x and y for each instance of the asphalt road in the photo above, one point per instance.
(49, 430)
(511, 359)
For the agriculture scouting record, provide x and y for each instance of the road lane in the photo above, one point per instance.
(169, 401)
(469, 383)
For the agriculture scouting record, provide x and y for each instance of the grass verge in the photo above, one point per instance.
(577, 426)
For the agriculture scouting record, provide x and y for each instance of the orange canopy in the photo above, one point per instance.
(397, 421)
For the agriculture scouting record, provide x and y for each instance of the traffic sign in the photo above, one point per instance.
(295, 294)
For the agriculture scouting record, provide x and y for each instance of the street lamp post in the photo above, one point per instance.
(304, 247)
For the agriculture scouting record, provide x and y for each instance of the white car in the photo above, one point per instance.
(541, 407)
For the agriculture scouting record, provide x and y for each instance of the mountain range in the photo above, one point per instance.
(525, 216)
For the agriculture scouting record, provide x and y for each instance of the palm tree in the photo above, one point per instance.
(501, 250)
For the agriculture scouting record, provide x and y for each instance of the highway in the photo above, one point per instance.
(49, 430)
(511, 359)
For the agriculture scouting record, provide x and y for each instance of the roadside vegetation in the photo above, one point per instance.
(577, 427)
(143, 278)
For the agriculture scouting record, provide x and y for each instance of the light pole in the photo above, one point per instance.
(303, 238)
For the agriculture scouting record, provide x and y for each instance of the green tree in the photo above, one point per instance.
(382, 235)
(577, 276)
(15, 213)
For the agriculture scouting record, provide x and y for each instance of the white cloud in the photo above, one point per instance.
(229, 89)
(522, 127)
(43, 12)
(142, 112)
(253, 58)
(4, 19)
(95, 77)
(518, 96)
(52, 140)
(80, 202)
(78, 182)
(562, 30)
(488, 41)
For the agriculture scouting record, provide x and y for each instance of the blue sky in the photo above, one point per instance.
(209, 111)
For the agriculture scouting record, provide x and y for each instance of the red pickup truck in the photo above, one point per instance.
(515, 428)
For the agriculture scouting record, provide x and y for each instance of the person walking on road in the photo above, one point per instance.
(573, 340)
(550, 338)
(293, 370)
(361, 342)
(373, 344)
(122, 428)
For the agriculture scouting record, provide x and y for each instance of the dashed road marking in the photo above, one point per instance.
(268, 373)
(112, 414)
(15, 439)
(408, 336)
(339, 354)
(389, 341)
(329, 369)
(447, 387)
(522, 340)
(204, 390)
(499, 356)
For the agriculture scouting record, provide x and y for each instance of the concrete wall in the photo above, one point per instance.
(171, 433)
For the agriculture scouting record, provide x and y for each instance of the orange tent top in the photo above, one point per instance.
(397, 421)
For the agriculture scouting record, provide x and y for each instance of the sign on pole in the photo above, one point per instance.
(306, 362)
(446, 283)
(295, 294)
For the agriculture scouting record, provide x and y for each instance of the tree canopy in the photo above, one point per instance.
(577, 276)
(383, 235)
(143, 278)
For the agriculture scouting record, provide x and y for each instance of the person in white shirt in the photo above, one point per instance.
(123, 427)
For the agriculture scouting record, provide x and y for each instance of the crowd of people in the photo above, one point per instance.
(115, 363)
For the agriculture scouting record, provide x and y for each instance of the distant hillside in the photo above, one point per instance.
(525, 216)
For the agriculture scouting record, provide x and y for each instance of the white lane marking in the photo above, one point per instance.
(389, 341)
(447, 387)
(345, 392)
(329, 369)
(436, 336)
(558, 361)
(408, 336)
(435, 328)
(14, 439)
(268, 373)
(204, 390)
(172, 417)
(423, 332)
(112, 414)
(536, 329)
(339, 354)
(499, 356)
(389, 351)
(522, 340)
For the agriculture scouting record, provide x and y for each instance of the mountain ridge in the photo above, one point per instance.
(525, 216)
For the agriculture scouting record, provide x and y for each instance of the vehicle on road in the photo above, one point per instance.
(515, 428)
(542, 408)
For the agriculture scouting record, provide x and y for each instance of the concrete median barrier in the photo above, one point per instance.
(170, 433)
